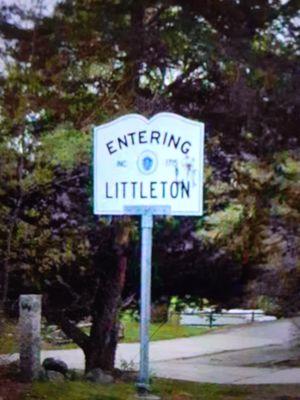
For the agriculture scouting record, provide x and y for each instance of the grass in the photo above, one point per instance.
(158, 331)
(166, 389)
(162, 332)
(8, 339)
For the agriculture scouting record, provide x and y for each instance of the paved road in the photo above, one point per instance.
(243, 355)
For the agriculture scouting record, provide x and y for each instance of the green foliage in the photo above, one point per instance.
(232, 65)
(162, 331)
(80, 391)
(66, 147)
(268, 304)
(221, 224)
(168, 390)
(8, 336)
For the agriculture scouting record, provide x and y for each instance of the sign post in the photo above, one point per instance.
(147, 214)
(148, 167)
(147, 225)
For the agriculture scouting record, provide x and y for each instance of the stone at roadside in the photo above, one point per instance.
(146, 396)
(98, 376)
(30, 338)
(54, 376)
(52, 364)
(75, 374)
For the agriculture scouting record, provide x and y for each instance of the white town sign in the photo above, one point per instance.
(156, 162)
(148, 167)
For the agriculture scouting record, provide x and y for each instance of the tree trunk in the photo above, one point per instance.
(4, 275)
(100, 346)
(12, 221)
(103, 340)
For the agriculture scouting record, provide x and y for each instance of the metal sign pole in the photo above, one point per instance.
(147, 224)
(146, 213)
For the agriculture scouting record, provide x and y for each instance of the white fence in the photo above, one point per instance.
(225, 317)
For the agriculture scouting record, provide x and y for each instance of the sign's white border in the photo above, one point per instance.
(148, 121)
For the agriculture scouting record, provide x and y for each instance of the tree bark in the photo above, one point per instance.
(101, 349)
(69, 328)
(4, 277)
(100, 346)
(103, 340)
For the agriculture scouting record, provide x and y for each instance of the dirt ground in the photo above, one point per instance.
(10, 388)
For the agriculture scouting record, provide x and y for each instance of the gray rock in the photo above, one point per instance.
(51, 364)
(42, 375)
(55, 376)
(147, 396)
(98, 376)
(75, 375)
